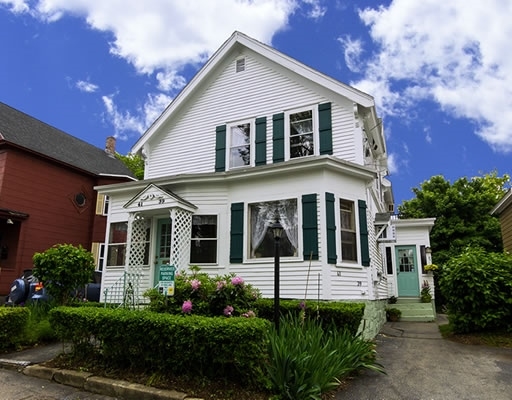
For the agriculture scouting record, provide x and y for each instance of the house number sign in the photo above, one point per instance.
(150, 197)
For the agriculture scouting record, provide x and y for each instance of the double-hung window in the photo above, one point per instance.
(302, 133)
(240, 138)
(261, 216)
(117, 238)
(203, 246)
(348, 231)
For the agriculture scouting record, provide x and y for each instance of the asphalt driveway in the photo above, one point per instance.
(422, 365)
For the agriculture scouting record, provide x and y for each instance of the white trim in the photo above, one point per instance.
(252, 142)
(239, 39)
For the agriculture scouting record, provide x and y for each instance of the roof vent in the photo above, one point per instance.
(240, 65)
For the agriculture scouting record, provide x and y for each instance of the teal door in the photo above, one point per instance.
(163, 247)
(407, 271)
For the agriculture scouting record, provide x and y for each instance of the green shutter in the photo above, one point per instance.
(331, 228)
(261, 141)
(278, 138)
(237, 233)
(309, 226)
(325, 128)
(363, 234)
(220, 148)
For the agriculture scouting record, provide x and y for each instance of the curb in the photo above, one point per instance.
(95, 384)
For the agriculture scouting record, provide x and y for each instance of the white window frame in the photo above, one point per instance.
(252, 141)
(112, 244)
(356, 230)
(316, 135)
(216, 239)
(248, 232)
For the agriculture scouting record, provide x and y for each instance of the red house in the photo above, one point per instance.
(46, 191)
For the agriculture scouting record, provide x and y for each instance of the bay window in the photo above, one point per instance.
(261, 216)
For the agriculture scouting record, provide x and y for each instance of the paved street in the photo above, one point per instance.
(16, 386)
(422, 365)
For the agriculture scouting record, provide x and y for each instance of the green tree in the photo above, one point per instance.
(63, 268)
(462, 212)
(134, 162)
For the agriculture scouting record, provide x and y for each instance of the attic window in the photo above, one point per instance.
(240, 65)
(80, 199)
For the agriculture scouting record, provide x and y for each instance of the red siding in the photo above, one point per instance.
(45, 191)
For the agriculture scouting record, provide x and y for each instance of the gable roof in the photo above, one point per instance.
(504, 202)
(28, 133)
(239, 39)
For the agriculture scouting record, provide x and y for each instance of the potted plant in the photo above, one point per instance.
(430, 268)
(425, 295)
(393, 314)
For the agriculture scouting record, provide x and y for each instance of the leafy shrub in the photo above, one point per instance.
(13, 322)
(200, 294)
(63, 268)
(477, 286)
(307, 360)
(231, 348)
(342, 314)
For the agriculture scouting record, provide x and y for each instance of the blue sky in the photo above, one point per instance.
(440, 71)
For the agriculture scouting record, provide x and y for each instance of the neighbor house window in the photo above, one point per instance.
(117, 244)
(239, 144)
(348, 231)
(301, 134)
(203, 246)
(102, 203)
(262, 215)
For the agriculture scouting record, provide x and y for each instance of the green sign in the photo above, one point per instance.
(166, 280)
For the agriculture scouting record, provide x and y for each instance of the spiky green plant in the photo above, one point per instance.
(307, 360)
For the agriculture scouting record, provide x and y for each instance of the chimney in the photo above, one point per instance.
(110, 146)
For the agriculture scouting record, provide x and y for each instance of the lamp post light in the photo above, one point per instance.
(277, 230)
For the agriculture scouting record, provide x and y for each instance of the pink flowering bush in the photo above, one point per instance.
(187, 307)
(200, 294)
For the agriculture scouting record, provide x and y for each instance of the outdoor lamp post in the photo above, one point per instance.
(277, 230)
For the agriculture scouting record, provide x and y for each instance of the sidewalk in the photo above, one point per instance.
(28, 362)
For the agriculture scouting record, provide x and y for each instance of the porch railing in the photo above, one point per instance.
(125, 292)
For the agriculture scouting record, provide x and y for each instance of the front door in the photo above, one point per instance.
(407, 271)
(163, 247)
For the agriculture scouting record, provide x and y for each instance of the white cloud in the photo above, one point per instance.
(352, 49)
(454, 53)
(392, 163)
(15, 6)
(87, 87)
(122, 122)
(161, 37)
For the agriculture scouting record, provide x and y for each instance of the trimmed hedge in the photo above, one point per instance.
(342, 314)
(13, 321)
(232, 348)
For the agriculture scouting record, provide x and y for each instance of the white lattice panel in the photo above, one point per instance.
(138, 229)
(180, 242)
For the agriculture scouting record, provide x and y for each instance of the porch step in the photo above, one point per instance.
(413, 310)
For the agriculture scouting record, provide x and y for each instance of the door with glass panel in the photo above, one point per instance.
(407, 271)
(163, 246)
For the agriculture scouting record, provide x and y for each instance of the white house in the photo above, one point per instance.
(256, 137)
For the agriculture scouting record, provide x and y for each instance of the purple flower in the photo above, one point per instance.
(196, 284)
(187, 307)
(302, 305)
(221, 285)
(237, 280)
(249, 314)
(228, 311)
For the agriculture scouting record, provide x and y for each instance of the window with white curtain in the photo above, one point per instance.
(240, 144)
(264, 214)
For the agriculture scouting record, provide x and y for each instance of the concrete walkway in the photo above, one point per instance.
(422, 365)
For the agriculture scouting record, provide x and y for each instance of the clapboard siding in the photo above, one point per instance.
(506, 228)
(187, 144)
(349, 283)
